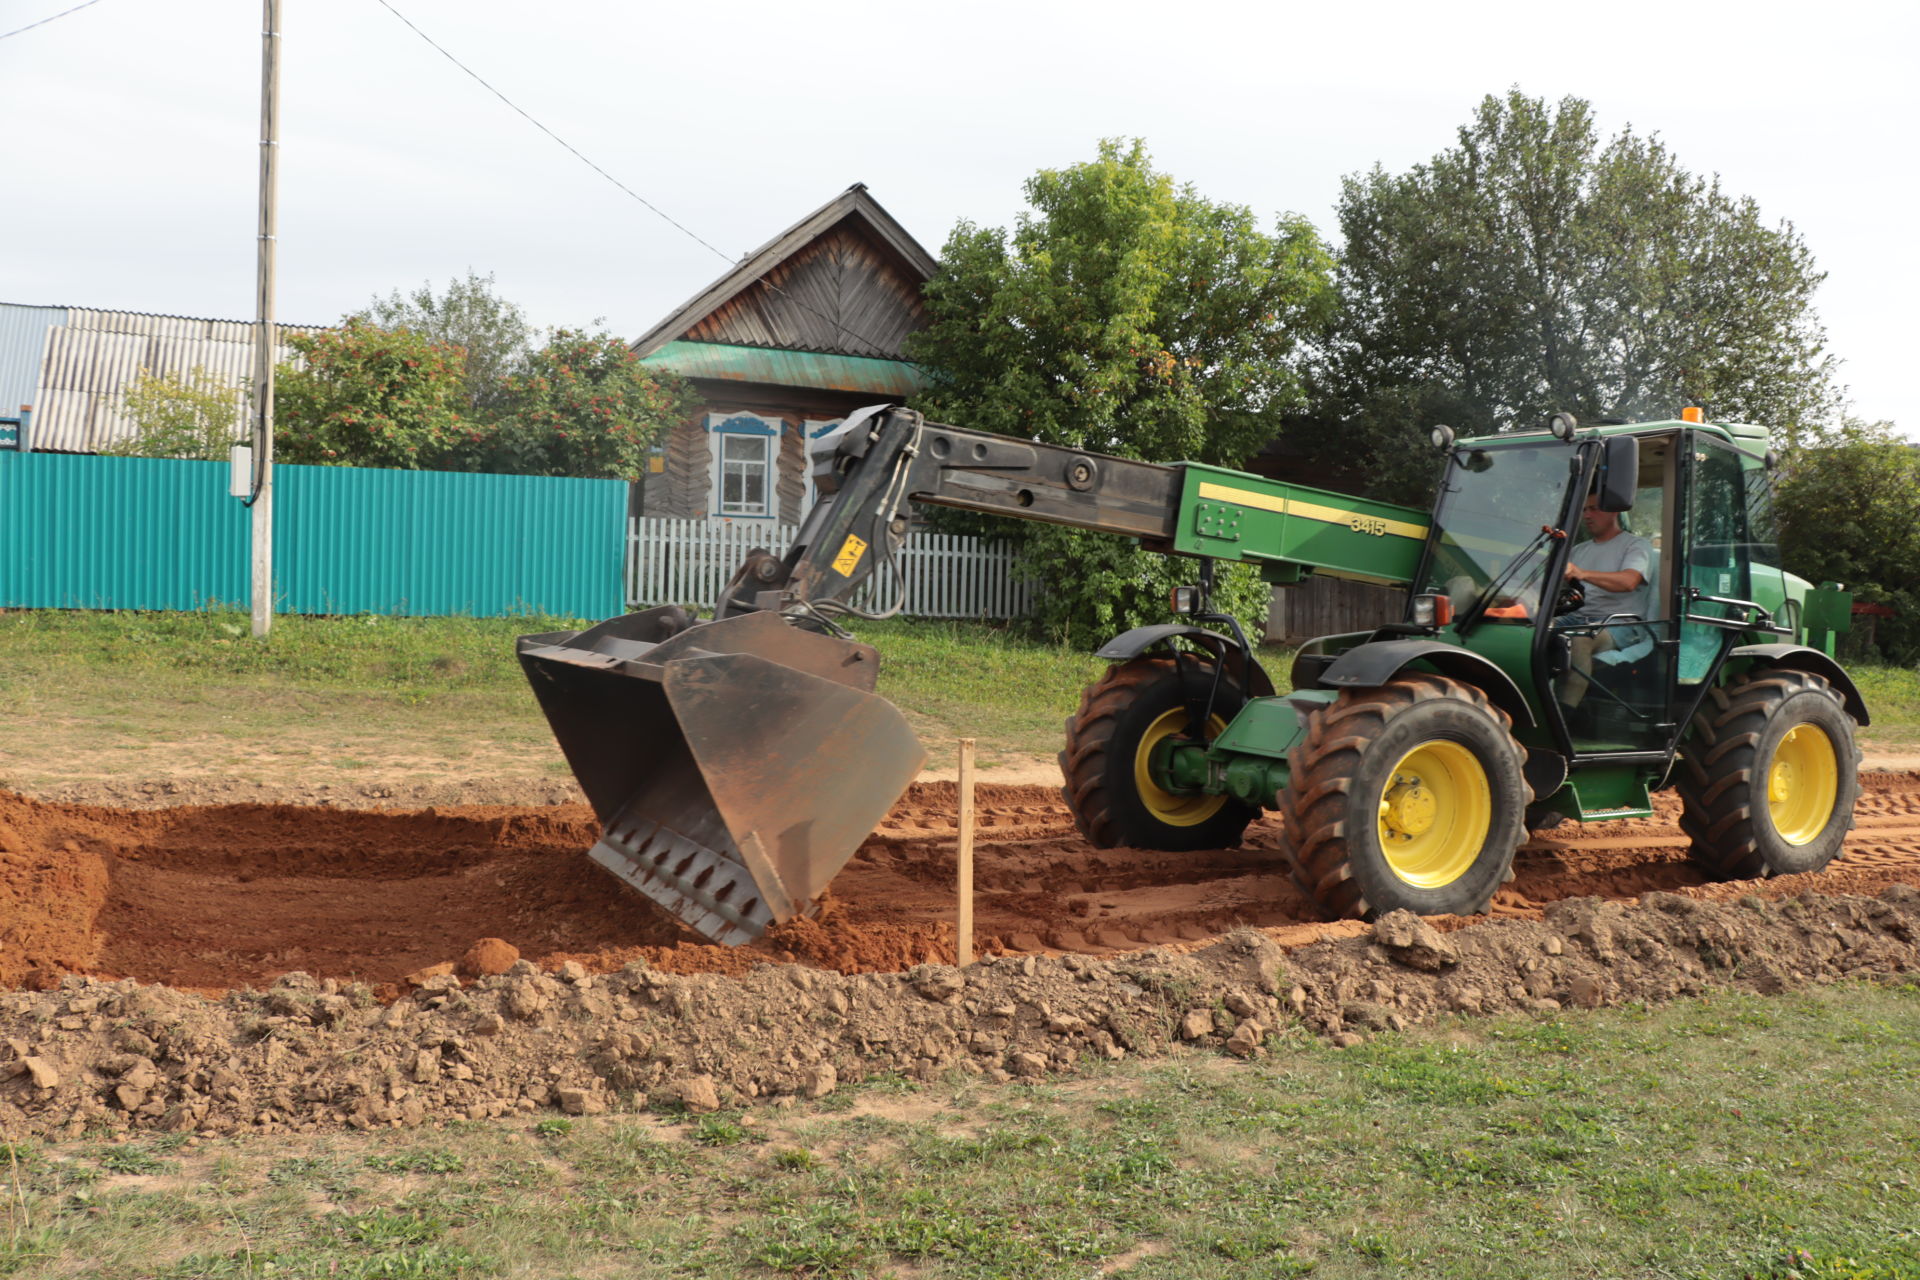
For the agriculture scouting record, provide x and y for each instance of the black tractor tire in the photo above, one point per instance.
(1732, 766)
(1377, 762)
(1106, 741)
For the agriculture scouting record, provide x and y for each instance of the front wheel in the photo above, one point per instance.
(1109, 785)
(1769, 776)
(1408, 796)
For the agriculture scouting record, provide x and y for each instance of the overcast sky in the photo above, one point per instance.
(129, 149)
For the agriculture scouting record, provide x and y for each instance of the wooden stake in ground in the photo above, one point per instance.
(964, 931)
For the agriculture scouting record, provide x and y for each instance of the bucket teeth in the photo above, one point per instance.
(704, 884)
(735, 766)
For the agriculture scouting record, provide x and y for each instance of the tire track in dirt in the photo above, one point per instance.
(210, 898)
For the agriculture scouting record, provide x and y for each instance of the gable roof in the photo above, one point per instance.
(843, 280)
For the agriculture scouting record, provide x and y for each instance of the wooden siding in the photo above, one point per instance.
(1329, 606)
(685, 488)
(681, 489)
(790, 472)
(841, 293)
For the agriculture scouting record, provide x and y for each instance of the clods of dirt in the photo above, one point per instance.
(307, 1054)
(278, 966)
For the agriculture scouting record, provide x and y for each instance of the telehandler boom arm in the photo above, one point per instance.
(881, 460)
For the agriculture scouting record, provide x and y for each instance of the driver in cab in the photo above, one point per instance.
(1611, 567)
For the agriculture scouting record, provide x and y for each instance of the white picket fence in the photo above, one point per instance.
(948, 575)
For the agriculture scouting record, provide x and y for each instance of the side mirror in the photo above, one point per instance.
(1619, 473)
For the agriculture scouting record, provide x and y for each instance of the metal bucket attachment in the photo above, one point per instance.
(734, 766)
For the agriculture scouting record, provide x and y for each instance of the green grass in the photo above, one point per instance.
(1725, 1137)
(1892, 696)
(966, 679)
(144, 696)
(322, 699)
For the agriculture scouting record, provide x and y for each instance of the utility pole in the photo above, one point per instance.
(263, 333)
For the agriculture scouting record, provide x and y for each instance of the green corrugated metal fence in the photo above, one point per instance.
(148, 533)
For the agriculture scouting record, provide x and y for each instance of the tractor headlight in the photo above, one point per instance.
(1442, 436)
(1432, 610)
(1563, 425)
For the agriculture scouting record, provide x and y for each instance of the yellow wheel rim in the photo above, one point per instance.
(1435, 812)
(1802, 784)
(1172, 807)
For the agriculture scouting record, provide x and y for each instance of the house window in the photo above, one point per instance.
(743, 475)
(745, 449)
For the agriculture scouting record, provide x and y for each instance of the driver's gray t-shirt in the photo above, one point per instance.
(1622, 551)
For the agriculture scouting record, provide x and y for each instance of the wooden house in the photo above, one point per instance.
(806, 328)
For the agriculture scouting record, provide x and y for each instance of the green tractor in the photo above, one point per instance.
(1409, 761)
(1592, 615)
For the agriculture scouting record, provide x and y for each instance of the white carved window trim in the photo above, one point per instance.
(735, 430)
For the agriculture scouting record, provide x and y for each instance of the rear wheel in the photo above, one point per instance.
(1409, 796)
(1110, 741)
(1769, 776)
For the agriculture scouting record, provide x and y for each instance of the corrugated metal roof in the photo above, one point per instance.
(778, 368)
(23, 338)
(93, 356)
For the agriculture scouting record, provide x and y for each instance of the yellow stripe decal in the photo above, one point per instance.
(1355, 520)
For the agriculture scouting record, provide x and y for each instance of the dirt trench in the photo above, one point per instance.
(246, 966)
(211, 898)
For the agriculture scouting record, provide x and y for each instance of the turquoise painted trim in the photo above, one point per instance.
(726, 362)
(85, 532)
(740, 424)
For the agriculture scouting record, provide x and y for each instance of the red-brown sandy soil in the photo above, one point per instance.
(216, 897)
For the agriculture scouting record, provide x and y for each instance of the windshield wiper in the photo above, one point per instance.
(1491, 592)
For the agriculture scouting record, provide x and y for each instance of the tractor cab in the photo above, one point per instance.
(1611, 572)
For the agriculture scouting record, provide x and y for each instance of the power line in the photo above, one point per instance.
(481, 81)
(44, 21)
(542, 128)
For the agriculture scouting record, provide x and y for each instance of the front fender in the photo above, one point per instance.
(1254, 681)
(1798, 657)
(1370, 665)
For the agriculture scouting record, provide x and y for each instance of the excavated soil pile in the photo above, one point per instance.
(307, 1055)
(353, 922)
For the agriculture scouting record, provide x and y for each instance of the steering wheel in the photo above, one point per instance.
(1572, 597)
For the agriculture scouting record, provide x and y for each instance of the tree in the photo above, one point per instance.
(370, 397)
(1846, 507)
(195, 416)
(1532, 268)
(583, 405)
(1125, 314)
(492, 332)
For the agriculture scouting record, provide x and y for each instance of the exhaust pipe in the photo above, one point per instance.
(735, 765)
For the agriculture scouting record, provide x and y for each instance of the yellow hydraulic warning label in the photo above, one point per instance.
(849, 558)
